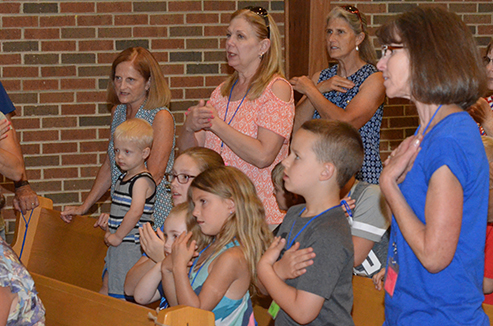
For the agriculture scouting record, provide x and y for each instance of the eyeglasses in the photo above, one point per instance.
(354, 10)
(181, 178)
(387, 49)
(487, 60)
(262, 13)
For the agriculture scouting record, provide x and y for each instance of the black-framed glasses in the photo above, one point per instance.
(387, 49)
(262, 12)
(487, 60)
(354, 10)
(181, 177)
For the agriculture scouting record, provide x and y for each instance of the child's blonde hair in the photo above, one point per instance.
(247, 224)
(277, 175)
(135, 130)
(204, 157)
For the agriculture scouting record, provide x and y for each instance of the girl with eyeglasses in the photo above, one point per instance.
(481, 111)
(249, 117)
(350, 91)
(187, 166)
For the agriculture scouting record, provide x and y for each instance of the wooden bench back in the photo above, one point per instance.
(69, 305)
(72, 253)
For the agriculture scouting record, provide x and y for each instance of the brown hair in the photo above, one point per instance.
(247, 224)
(271, 63)
(439, 74)
(338, 143)
(144, 62)
(366, 50)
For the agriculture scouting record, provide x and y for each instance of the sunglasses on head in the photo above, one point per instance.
(262, 13)
(354, 10)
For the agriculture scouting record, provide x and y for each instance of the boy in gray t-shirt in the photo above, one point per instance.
(325, 154)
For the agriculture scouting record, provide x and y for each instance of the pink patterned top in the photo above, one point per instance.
(269, 112)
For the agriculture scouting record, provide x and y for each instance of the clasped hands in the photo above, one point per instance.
(200, 117)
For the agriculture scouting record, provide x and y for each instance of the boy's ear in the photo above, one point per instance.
(328, 172)
(146, 152)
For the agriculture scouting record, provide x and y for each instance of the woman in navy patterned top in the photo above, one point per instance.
(350, 91)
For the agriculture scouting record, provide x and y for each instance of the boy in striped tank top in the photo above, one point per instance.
(132, 204)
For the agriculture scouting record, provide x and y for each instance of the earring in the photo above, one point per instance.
(357, 48)
(261, 56)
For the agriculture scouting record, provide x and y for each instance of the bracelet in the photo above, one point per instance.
(22, 183)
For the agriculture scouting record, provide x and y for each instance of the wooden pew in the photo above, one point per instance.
(368, 303)
(72, 253)
(69, 305)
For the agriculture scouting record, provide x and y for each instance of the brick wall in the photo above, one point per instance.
(55, 58)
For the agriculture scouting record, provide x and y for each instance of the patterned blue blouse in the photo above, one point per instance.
(370, 132)
(162, 206)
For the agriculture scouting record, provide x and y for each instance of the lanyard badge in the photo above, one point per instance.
(392, 271)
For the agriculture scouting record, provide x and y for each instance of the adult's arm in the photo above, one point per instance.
(358, 112)
(260, 151)
(162, 145)
(191, 133)
(25, 196)
(435, 242)
(482, 114)
(11, 164)
(6, 298)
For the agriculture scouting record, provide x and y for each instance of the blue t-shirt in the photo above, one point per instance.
(6, 105)
(454, 295)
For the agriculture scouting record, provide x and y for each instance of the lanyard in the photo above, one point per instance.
(289, 242)
(195, 262)
(227, 107)
(426, 128)
(26, 222)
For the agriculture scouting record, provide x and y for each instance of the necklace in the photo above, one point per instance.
(227, 108)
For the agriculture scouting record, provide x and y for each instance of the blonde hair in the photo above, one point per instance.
(366, 50)
(135, 130)
(270, 63)
(277, 174)
(204, 157)
(247, 224)
(159, 94)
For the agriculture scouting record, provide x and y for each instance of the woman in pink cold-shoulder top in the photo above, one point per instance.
(249, 117)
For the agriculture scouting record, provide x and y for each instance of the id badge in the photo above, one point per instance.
(392, 272)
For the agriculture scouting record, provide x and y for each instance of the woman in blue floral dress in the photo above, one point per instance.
(350, 91)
